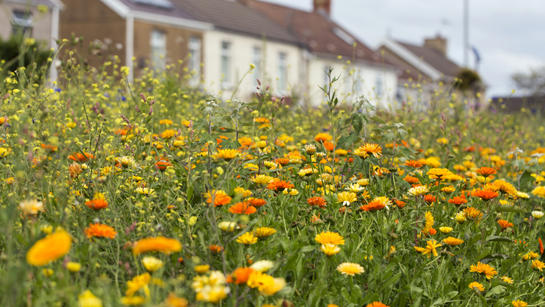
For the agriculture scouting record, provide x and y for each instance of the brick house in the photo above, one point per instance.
(329, 45)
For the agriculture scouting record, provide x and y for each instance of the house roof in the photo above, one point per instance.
(222, 14)
(434, 58)
(318, 32)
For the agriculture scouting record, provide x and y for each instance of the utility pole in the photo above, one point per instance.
(466, 33)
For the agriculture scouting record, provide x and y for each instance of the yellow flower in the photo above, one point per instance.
(262, 265)
(418, 190)
(445, 229)
(507, 279)
(88, 299)
(159, 244)
(211, 288)
(351, 269)
(367, 149)
(519, 303)
(133, 300)
(430, 249)
(329, 238)
(247, 238)
(203, 268)
(174, 301)
(483, 268)
(263, 232)
(262, 179)
(476, 286)
(137, 283)
(536, 264)
(530, 256)
(266, 284)
(152, 264)
(452, 241)
(330, 249)
(346, 198)
(49, 248)
(539, 191)
(73, 266)
(226, 154)
(227, 226)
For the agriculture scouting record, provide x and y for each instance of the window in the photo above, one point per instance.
(379, 86)
(282, 72)
(21, 23)
(257, 63)
(158, 45)
(194, 64)
(226, 64)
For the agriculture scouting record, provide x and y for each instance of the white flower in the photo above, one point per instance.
(262, 265)
(537, 214)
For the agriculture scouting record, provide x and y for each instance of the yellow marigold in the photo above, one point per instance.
(50, 248)
(445, 229)
(137, 283)
(265, 283)
(539, 191)
(262, 179)
(329, 238)
(483, 268)
(539, 265)
(428, 217)
(263, 232)
(100, 230)
(507, 279)
(418, 190)
(519, 303)
(376, 304)
(369, 149)
(330, 249)
(346, 198)
(152, 264)
(247, 238)
(476, 286)
(452, 241)
(158, 244)
(530, 256)
(351, 269)
(174, 301)
(323, 137)
(203, 268)
(226, 154)
(168, 133)
(31, 207)
(88, 299)
(473, 213)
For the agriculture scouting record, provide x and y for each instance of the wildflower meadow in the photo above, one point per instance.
(152, 193)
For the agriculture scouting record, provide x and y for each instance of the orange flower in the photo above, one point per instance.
(540, 243)
(485, 194)
(100, 230)
(400, 203)
(458, 200)
(486, 171)
(48, 147)
(367, 149)
(240, 276)
(373, 206)
(279, 185)
(97, 204)
(81, 157)
(215, 248)
(430, 198)
(162, 164)
(256, 202)
(282, 161)
(323, 137)
(220, 198)
(317, 201)
(377, 304)
(242, 208)
(329, 146)
(157, 244)
(411, 179)
(504, 224)
(415, 163)
(49, 248)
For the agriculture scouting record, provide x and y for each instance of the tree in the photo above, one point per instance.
(531, 83)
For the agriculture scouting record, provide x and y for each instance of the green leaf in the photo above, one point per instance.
(499, 239)
(497, 290)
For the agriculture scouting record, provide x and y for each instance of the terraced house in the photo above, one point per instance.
(217, 40)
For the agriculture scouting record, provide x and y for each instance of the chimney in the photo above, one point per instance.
(438, 43)
(323, 7)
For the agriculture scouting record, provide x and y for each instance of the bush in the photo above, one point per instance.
(19, 51)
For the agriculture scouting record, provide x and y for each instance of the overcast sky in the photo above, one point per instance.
(509, 35)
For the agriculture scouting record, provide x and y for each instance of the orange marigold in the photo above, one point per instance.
(162, 164)
(430, 198)
(368, 149)
(81, 157)
(256, 202)
(458, 200)
(215, 248)
(49, 248)
(317, 201)
(486, 171)
(485, 194)
(373, 206)
(240, 276)
(376, 304)
(411, 179)
(242, 208)
(220, 198)
(415, 163)
(100, 230)
(279, 185)
(97, 204)
(504, 224)
(156, 244)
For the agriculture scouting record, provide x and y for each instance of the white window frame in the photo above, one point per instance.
(282, 72)
(226, 64)
(194, 64)
(158, 48)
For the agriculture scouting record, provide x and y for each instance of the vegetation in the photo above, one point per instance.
(154, 194)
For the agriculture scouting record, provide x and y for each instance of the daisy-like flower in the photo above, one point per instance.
(226, 154)
(430, 249)
(539, 191)
(368, 149)
(519, 303)
(350, 269)
(159, 244)
(317, 201)
(376, 304)
(452, 241)
(262, 265)
(346, 198)
(476, 286)
(263, 232)
(100, 231)
(507, 280)
(418, 190)
(538, 265)
(330, 249)
(486, 171)
(31, 207)
(483, 268)
(485, 194)
(247, 238)
(329, 238)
